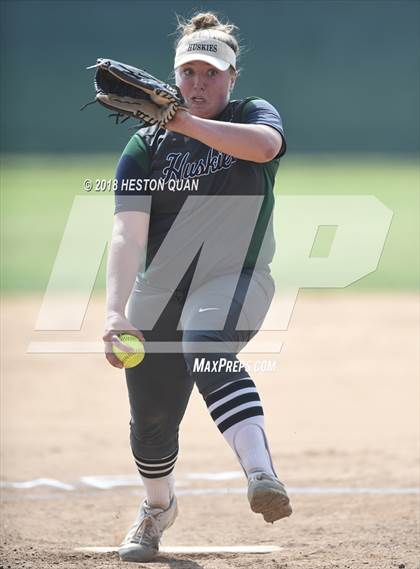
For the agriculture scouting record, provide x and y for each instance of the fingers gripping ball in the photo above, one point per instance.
(132, 358)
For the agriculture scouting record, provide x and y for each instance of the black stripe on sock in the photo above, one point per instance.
(227, 390)
(160, 475)
(241, 416)
(153, 461)
(235, 402)
(156, 467)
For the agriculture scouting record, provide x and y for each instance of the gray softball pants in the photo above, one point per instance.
(160, 387)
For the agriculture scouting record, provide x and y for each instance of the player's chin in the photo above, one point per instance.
(202, 110)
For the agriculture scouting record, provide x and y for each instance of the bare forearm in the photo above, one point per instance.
(257, 143)
(123, 265)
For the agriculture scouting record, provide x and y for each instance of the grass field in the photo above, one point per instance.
(38, 192)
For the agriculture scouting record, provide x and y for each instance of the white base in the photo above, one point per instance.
(195, 549)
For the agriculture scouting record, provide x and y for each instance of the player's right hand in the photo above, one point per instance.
(117, 324)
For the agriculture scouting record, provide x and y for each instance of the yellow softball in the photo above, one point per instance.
(129, 359)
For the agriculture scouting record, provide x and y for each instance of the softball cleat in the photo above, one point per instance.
(141, 544)
(268, 496)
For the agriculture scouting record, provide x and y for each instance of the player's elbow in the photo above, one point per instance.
(272, 151)
(131, 228)
(270, 145)
(128, 242)
(267, 152)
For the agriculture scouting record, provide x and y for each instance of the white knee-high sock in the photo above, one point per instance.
(158, 479)
(237, 411)
(159, 491)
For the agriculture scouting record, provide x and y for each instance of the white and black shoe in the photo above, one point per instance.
(141, 544)
(268, 496)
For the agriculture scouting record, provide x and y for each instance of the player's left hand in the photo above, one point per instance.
(133, 92)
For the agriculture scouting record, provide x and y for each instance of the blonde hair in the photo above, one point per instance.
(209, 21)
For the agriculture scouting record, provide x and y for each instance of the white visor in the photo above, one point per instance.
(200, 46)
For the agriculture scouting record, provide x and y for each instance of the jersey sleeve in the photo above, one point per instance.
(133, 167)
(259, 111)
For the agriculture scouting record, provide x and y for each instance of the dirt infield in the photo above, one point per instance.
(342, 417)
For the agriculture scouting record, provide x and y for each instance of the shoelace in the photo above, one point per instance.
(147, 532)
(263, 476)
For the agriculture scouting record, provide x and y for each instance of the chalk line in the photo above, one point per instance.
(184, 488)
(37, 482)
(194, 549)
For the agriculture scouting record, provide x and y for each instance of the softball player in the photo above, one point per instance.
(231, 150)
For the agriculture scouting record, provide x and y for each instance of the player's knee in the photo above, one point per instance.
(153, 439)
(210, 360)
(198, 345)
